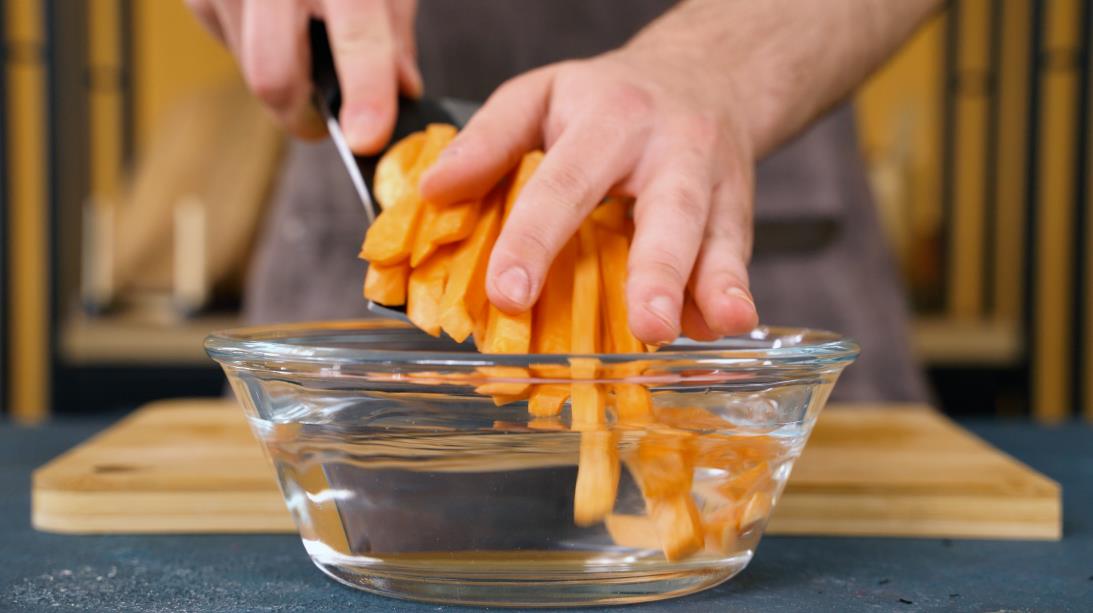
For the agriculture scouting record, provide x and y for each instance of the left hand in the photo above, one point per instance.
(640, 122)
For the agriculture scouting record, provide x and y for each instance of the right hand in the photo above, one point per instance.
(374, 54)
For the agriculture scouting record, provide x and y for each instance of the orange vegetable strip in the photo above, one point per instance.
(425, 291)
(633, 403)
(661, 467)
(390, 239)
(528, 165)
(633, 531)
(503, 399)
(587, 404)
(585, 323)
(613, 214)
(614, 251)
(678, 526)
(506, 334)
(392, 179)
(509, 333)
(547, 399)
(455, 222)
(547, 423)
(387, 284)
(504, 391)
(554, 309)
(422, 242)
(443, 225)
(597, 477)
(464, 296)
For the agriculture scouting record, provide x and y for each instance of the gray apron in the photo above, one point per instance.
(820, 258)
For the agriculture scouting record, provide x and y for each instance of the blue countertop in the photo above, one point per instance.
(48, 572)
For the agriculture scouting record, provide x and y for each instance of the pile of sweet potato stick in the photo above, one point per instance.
(433, 259)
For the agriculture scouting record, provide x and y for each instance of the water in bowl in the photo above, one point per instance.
(487, 516)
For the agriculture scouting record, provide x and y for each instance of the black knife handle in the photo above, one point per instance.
(324, 76)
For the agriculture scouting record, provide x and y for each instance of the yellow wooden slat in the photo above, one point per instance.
(1087, 304)
(174, 58)
(966, 237)
(105, 98)
(1052, 332)
(28, 193)
(1010, 175)
(899, 118)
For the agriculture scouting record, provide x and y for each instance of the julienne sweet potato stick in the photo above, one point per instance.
(443, 225)
(464, 296)
(390, 239)
(587, 403)
(633, 403)
(597, 477)
(663, 469)
(426, 289)
(547, 399)
(507, 333)
(598, 464)
(387, 284)
(553, 327)
(392, 179)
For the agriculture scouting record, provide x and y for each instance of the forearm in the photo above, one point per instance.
(782, 61)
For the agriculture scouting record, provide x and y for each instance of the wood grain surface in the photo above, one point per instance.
(192, 466)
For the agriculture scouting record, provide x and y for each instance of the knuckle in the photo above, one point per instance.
(530, 244)
(628, 101)
(276, 90)
(689, 201)
(700, 127)
(665, 264)
(566, 187)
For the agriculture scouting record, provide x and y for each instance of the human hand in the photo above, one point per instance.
(632, 122)
(374, 54)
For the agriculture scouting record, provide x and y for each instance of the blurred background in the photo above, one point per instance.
(124, 128)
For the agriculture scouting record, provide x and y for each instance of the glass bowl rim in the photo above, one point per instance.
(268, 343)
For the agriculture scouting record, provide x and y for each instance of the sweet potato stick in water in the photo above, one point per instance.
(678, 526)
(663, 469)
(464, 296)
(390, 239)
(547, 399)
(587, 403)
(387, 284)
(426, 290)
(597, 477)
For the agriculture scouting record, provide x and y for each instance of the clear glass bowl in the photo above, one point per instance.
(416, 468)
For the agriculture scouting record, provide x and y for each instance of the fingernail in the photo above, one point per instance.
(741, 294)
(515, 284)
(663, 308)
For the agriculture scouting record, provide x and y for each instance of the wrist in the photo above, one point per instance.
(740, 93)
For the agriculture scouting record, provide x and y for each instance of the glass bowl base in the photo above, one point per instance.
(471, 584)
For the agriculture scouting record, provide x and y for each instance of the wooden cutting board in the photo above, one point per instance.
(191, 466)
